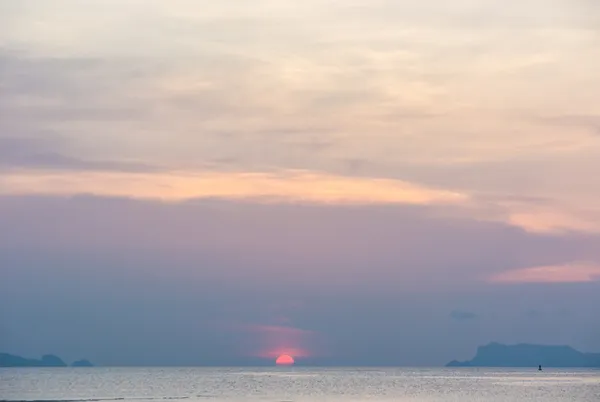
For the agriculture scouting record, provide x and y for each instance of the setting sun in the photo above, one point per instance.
(284, 360)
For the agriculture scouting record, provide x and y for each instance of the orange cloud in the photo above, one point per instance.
(568, 273)
(283, 186)
(554, 221)
(547, 215)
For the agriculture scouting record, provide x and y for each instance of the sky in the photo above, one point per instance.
(358, 182)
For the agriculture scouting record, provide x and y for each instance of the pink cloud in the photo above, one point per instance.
(568, 273)
(271, 341)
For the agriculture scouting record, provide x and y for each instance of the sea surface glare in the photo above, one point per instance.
(298, 384)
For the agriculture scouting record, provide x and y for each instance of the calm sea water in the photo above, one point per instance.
(298, 384)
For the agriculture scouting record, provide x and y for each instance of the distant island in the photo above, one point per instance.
(82, 363)
(8, 360)
(526, 355)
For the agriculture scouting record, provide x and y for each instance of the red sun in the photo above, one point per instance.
(284, 360)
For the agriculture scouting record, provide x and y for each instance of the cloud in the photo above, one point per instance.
(283, 186)
(567, 273)
(377, 92)
(552, 216)
(459, 315)
(57, 161)
(43, 165)
(555, 221)
(41, 153)
(271, 341)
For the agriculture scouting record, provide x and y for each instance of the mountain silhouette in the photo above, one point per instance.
(8, 360)
(527, 355)
(82, 363)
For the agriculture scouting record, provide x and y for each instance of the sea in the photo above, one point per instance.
(297, 384)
